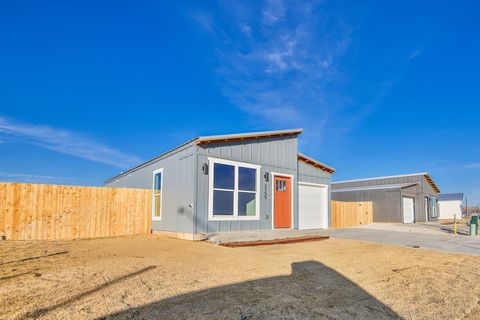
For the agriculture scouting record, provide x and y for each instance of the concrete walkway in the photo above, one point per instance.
(424, 237)
(446, 243)
(243, 236)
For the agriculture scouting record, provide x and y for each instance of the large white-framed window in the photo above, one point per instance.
(157, 187)
(233, 190)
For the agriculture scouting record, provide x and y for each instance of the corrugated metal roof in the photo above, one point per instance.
(315, 163)
(450, 197)
(209, 139)
(384, 177)
(248, 135)
(426, 175)
(378, 187)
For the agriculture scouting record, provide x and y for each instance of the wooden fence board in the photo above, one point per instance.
(349, 214)
(54, 212)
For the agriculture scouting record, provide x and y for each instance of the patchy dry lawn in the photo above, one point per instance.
(162, 278)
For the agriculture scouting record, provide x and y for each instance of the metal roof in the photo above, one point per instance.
(315, 163)
(247, 136)
(378, 187)
(210, 139)
(450, 197)
(384, 177)
(426, 175)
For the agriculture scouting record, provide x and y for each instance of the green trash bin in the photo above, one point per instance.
(474, 225)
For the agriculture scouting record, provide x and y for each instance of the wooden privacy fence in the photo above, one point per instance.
(53, 212)
(349, 214)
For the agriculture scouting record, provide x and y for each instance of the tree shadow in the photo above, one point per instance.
(311, 291)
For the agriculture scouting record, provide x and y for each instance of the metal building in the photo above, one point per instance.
(251, 181)
(405, 198)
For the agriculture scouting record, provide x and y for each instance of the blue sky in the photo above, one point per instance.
(88, 89)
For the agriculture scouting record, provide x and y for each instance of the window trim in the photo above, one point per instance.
(154, 218)
(236, 165)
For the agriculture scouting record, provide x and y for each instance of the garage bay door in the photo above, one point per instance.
(408, 210)
(312, 206)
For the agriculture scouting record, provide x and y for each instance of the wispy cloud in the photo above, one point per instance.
(22, 177)
(473, 165)
(414, 54)
(280, 62)
(273, 11)
(64, 141)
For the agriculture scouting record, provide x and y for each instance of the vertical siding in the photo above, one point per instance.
(272, 154)
(178, 188)
(308, 173)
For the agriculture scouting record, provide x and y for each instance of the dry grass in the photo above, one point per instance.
(162, 278)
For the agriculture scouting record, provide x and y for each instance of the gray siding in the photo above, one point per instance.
(387, 203)
(308, 173)
(178, 188)
(273, 154)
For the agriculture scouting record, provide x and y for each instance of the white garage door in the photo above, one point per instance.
(312, 206)
(408, 210)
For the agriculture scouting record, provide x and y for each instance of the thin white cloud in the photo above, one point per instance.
(473, 165)
(285, 73)
(33, 178)
(273, 11)
(64, 141)
(414, 54)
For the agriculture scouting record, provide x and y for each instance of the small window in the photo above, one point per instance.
(280, 185)
(157, 195)
(233, 190)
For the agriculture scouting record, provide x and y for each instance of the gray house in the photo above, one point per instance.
(405, 198)
(251, 181)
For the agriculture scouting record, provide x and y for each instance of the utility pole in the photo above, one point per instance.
(466, 206)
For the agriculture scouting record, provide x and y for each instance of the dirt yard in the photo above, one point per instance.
(155, 277)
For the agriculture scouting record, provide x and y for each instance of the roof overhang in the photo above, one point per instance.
(432, 183)
(315, 163)
(247, 136)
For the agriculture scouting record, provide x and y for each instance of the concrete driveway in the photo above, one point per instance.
(438, 242)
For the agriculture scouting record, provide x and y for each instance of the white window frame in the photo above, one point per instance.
(154, 218)
(236, 165)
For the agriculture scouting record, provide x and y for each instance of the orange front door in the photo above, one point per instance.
(282, 204)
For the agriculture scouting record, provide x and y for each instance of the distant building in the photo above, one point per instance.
(450, 205)
(406, 198)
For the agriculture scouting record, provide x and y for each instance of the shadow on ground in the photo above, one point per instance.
(312, 291)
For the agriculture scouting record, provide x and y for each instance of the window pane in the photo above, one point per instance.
(247, 179)
(157, 187)
(224, 176)
(246, 204)
(158, 207)
(223, 203)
